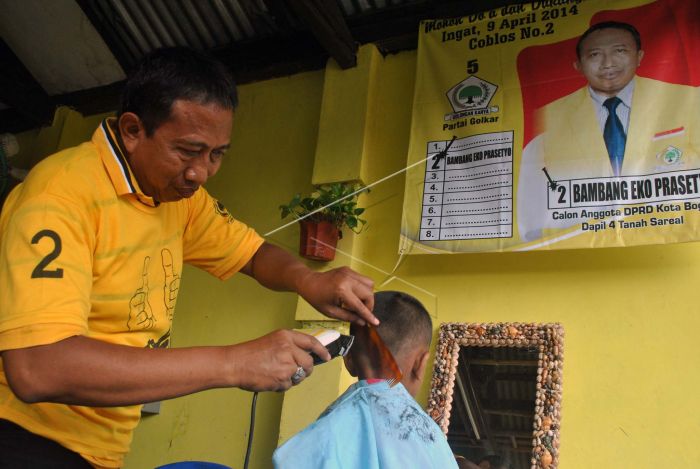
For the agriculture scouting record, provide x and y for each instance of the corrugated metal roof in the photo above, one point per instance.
(138, 27)
(142, 26)
(79, 50)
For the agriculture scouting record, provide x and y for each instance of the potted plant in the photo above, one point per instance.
(321, 216)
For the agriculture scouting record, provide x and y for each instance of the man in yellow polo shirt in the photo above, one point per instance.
(91, 252)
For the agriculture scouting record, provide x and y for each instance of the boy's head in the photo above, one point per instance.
(406, 329)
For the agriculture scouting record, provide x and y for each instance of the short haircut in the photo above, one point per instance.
(168, 74)
(610, 25)
(404, 322)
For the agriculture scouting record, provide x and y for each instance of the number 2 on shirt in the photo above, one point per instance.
(40, 270)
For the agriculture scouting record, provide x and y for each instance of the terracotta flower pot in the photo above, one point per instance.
(317, 240)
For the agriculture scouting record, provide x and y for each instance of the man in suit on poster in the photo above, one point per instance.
(618, 124)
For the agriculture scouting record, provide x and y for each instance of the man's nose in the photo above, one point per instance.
(608, 60)
(197, 171)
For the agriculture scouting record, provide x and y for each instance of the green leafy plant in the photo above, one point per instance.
(342, 213)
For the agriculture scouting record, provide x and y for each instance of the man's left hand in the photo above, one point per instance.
(340, 293)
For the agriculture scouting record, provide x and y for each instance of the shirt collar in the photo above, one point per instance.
(625, 95)
(373, 383)
(115, 161)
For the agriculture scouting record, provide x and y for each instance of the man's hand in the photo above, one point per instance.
(340, 293)
(84, 371)
(268, 363)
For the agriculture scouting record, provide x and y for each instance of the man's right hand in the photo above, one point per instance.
(268, 363)
(79, 370)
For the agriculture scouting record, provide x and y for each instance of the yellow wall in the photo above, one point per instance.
(629, 377)
(630, 374)
(630, 380)
(68, 128)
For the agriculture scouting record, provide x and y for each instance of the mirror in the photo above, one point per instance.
(496, 391)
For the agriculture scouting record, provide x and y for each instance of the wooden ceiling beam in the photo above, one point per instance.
(393, 29)
(273, 57)
(93, 100)
(254, 61)
(327, 23)
(21, 92)
(107, 30)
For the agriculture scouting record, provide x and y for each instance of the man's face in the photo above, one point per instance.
(609, 60)
(183, 151)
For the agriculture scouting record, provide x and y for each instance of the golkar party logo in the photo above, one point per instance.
(671, 155)
(471, 97)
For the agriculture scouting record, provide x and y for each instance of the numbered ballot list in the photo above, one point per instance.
(468, 188)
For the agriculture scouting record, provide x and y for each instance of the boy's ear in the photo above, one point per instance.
(420, 364)
(350, 365)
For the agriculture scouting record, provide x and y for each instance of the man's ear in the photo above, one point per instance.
(577, 66)
(131, 131)
(640, 56)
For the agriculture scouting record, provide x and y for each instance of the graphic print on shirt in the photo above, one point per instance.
(140, 312)
(411, 423)
(172, 283)
(223, 211)
(163, 342)
(141, 316)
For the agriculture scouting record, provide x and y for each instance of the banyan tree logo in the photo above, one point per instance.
(471, 96)
(671, 155)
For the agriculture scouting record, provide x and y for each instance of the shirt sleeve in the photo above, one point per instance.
(45, 271)
(215, 241)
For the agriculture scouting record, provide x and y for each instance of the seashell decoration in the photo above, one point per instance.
(547, 338)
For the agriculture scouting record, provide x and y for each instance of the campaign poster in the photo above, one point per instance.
(556, 124)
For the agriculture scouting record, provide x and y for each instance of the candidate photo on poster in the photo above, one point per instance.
(653, 126)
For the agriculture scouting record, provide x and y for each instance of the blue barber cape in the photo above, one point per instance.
(371, 426)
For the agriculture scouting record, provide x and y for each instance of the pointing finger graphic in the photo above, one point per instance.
(140, 314)
(168, 268)
(144, 274)
(172, 282)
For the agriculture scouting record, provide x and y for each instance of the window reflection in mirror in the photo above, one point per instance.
(496, 393)
(493, 405)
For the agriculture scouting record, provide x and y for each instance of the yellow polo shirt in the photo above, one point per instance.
(84, 252)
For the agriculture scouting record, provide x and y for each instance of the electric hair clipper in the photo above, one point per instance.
(336, 343)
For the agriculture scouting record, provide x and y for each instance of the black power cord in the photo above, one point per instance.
(337, 346)
(250, 431)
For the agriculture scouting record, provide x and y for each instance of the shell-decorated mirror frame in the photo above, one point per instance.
(546, 338)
